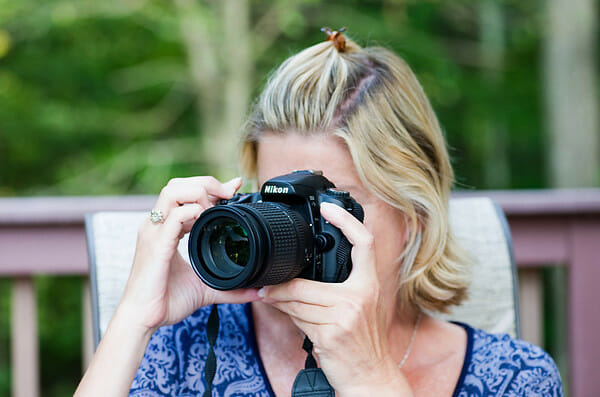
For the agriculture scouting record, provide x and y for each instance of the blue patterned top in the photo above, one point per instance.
(495, 365)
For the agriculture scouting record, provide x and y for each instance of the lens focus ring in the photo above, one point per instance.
(289, 236)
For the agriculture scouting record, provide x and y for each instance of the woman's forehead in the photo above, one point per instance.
(283, 153)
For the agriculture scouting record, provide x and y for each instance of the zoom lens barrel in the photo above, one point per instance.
(249, 245)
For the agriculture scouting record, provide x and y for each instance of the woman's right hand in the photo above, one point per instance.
(162, 288)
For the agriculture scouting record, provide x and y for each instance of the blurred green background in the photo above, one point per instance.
(117, 97)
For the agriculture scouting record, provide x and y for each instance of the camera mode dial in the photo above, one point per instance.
(338, 194)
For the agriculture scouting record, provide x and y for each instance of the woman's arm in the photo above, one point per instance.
(117, 358)
(162, 288)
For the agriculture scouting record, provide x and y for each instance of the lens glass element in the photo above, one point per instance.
(230, 239)
(227, 245)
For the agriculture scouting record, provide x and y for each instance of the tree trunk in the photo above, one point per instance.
(218, 48)
(496, 167)
(238, 65)
(571, 93)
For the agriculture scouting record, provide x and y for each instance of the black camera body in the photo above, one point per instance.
(273, 236)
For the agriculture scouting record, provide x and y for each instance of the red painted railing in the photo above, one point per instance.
(549, 228)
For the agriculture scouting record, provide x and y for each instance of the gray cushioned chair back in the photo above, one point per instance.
(482, 230)
(477, 222)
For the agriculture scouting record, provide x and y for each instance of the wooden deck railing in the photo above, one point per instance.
(549, 228)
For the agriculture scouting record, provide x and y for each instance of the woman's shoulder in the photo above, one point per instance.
(497, 364)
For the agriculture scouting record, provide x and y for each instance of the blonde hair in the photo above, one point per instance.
(370, 98)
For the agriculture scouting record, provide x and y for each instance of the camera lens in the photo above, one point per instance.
(227, 241)
(249, 245)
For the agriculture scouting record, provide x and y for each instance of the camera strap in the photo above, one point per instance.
(311, 381)
(210, 366)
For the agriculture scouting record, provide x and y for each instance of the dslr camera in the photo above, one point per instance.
(273, 236)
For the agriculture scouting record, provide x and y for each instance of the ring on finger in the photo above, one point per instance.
(156, 216)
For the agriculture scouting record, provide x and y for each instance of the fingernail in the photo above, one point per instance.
(233, 184)
(261, 292)
(234, 181)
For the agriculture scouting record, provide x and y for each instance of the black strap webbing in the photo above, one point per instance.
(210, 367)
(311, 381)
(307, 346)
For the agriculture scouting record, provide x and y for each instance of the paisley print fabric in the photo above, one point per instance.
(498, 365)
(174, 361)
(173, 365)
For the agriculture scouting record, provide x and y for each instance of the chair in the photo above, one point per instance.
(478, 223)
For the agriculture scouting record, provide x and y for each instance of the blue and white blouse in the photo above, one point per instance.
(495, 365)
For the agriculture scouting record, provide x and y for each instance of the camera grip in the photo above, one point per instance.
(340, 252)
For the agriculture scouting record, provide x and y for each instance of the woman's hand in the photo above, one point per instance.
(345, 321)
(162, 287)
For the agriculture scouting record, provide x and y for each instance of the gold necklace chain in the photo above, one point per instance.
(412, 339)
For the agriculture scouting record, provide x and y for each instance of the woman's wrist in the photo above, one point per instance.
(128, 316)
(117, 358)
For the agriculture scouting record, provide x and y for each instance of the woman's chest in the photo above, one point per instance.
(282, 362)
(433, 383)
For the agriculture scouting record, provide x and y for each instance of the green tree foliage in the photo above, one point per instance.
(86, 92)
(98, 97)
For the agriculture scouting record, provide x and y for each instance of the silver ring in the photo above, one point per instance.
(156, 216)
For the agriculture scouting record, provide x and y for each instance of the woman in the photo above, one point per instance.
(360, 116)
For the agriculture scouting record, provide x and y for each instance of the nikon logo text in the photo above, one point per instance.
(276, 189)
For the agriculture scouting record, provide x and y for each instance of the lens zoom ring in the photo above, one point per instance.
(289, 234)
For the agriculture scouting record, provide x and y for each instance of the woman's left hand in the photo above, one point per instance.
(345, 321)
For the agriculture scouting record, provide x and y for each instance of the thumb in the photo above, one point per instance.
(242, 295)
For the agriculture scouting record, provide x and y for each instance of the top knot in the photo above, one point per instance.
(339, 41)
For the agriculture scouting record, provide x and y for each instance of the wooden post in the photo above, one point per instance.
(584, 311)
(24, 345)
